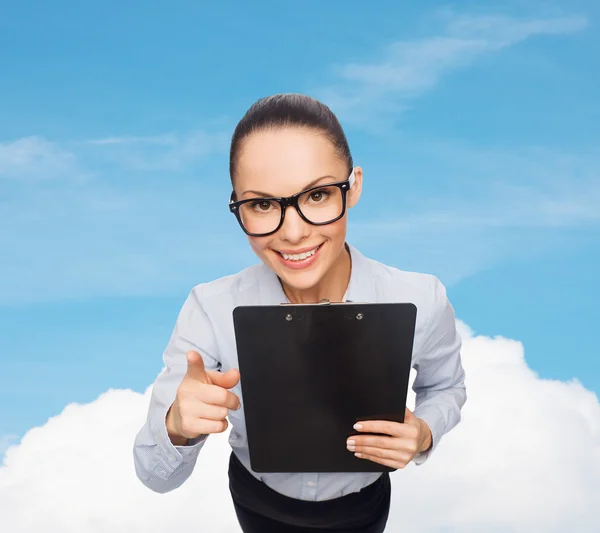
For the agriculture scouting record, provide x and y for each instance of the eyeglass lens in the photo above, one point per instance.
(319, 206)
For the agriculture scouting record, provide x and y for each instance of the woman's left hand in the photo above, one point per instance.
(402, 441)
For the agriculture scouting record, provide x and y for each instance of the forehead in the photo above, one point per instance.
(283, 161)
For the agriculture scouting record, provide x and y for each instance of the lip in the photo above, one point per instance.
(300, 251)
(304, 263)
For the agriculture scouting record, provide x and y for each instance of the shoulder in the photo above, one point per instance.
(228, 289)
(393, 283)
(435, 315)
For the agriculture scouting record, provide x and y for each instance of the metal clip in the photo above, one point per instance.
(324, 301)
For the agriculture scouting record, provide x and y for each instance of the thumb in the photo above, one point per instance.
(195, 367)
(227, 380)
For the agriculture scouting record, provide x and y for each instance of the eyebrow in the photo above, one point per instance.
(308, 186)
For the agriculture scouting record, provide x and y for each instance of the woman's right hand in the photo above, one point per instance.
(202, 402)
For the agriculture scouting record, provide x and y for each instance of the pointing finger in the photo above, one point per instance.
(195, 367)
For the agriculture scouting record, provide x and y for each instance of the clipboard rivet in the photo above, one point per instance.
(288, 317)
(359, 316)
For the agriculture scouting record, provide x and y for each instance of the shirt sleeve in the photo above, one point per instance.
(440, 381)
(159, 464)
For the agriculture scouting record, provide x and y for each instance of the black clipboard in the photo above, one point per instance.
(309, 372)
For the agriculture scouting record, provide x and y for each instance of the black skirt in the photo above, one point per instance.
(262, 509)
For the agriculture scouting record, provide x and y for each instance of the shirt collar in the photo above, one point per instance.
(360, 288)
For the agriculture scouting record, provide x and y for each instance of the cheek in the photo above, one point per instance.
(259, 244)
(335, 231)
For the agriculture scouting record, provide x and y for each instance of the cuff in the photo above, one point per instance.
(172, 455)
(434, 419)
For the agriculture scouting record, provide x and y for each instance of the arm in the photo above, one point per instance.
(160, 464)
(439, 384)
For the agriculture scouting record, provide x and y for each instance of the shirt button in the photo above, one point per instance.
(311, 483)
(162, 472)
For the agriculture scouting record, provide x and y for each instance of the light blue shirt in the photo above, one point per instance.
(205, 324)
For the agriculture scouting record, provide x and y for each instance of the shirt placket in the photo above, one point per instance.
(309, 486)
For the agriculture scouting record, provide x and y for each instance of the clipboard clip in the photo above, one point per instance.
(324, 301)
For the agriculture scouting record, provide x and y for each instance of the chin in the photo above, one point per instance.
(300, 282)
(299, 279)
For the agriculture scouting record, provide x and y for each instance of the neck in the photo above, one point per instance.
(332, 286)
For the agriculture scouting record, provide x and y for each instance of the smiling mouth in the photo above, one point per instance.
(302, 256)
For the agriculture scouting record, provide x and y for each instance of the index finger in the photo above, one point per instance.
(383, 427)
(195, 367)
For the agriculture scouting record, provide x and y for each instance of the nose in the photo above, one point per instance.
(294, 229)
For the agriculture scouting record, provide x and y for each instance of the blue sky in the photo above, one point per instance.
(477, 126)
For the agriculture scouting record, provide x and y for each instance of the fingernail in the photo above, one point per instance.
(351, 443)
(358, 426)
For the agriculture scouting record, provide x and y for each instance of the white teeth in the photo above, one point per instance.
(299, 257)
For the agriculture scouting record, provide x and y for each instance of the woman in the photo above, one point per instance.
(283, 146)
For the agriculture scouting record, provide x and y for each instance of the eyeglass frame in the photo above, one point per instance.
(292, 201)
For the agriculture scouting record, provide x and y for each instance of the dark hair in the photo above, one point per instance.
(282, 110)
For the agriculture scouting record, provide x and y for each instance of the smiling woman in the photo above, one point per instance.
(293, 182)
(294, 147)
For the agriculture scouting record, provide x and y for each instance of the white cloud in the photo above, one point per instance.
(35, 157)
(168, 152)
(407, 69)
(40, 158)
(167, 140)
(504, 31)
(525, 459)
(6, 441)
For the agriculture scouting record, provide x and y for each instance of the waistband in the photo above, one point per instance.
(354, 510)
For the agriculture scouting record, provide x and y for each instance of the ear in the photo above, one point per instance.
(356, 190)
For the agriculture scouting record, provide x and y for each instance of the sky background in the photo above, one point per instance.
(477, 125)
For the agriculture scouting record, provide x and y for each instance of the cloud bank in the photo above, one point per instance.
(525, 459)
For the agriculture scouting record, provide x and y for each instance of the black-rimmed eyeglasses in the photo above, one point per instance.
(319, 205)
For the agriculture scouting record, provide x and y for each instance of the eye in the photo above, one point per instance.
(319, 195)
(261, 205)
